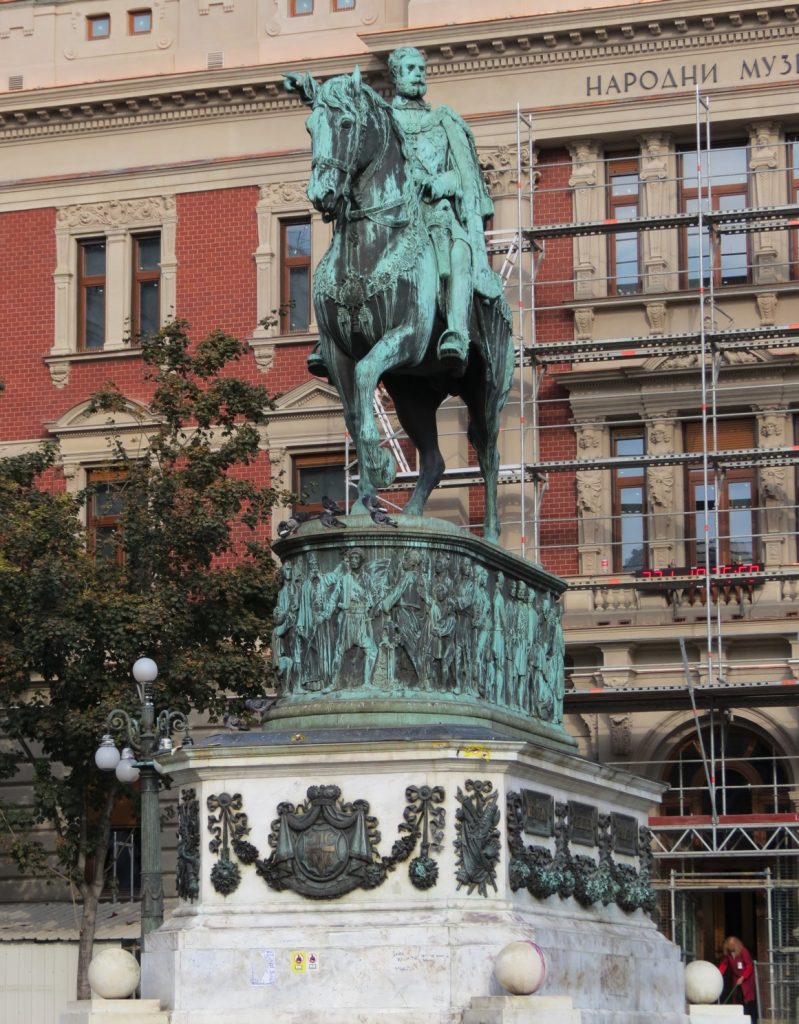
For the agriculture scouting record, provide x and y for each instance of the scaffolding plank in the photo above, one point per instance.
(685, 343)
(733, 458)
(597, 700)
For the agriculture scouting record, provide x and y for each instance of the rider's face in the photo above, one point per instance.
(411, 78)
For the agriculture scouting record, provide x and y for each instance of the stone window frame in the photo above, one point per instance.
(281, 202)
(118, 222)
(307, 420)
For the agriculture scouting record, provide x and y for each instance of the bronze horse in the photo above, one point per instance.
(376, 302)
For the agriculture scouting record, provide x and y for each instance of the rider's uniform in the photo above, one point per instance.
(441, 152)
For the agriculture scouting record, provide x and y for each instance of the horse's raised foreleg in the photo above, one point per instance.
(416, 406)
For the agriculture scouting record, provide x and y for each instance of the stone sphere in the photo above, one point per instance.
(521, 968)
(114, 974)
(703, 982)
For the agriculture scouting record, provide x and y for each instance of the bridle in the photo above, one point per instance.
(349, 164)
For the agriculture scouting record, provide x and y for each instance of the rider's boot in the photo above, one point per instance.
(453, 345)
(316, 363)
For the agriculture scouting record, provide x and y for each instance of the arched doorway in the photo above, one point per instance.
(738, 874)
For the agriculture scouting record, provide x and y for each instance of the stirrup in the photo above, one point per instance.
(453, 352)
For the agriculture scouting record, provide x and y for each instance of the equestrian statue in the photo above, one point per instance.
(405, 293)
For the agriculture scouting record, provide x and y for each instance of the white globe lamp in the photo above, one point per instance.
(106, 757)
(127, 770)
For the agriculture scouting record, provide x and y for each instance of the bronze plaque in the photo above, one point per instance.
(582, 823)
(624, 834)
(538, 810)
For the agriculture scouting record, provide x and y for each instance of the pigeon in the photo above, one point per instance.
(328, 518)
(377, 511)
(287, 527)
(372, 502)
(332, 506)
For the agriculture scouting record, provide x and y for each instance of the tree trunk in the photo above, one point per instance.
(90, 893)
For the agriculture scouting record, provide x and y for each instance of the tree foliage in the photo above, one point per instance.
(194, 590)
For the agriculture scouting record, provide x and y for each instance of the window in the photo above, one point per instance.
(725, 176)
(793, 197)
(295, 273)
(624, 193)
(91, 298)
(98, 26)
(316, 475)
(629, 508)
(140, 22)
(343, 5)
(731, 501)
(146, 305)
(299, 7)
(103, 510)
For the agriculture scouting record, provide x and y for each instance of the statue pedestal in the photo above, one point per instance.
(522, 1010)
(724, 1013)
(114, 1011)
(378, 873)
(412, 625)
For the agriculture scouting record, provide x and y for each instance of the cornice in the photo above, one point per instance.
(590, 35)
(128, 104)
(531, 42)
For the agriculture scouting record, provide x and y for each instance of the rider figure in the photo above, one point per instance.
(455, 203)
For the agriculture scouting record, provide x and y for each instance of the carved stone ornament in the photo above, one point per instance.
(584, 323)
(117, 212)
(228, 828)
(500, 166)
(187, 872)
(478, 843)
(325, 848)
(656, 317)
(285, 193)
(767, 308)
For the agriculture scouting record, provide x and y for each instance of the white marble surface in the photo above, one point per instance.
(522, 1010)
(723, 1014)
(114, 1011)
(395, 954)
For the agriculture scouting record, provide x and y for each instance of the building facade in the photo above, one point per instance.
(644, 165)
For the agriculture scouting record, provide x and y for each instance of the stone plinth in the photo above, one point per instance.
(374, 875)
(415, 624)
(725, 1013)
(522, 1010)
(114, 1011)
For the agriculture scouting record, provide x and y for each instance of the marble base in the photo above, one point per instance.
(114, 1011)
(522, 1010)
(725, 1013)
(396, 954)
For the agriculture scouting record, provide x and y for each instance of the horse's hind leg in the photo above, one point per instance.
(416, 407)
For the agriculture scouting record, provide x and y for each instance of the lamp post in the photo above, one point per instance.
(144, 738)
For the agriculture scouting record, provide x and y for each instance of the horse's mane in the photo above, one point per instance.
(339, 94)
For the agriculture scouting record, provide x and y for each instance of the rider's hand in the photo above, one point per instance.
(445, 185)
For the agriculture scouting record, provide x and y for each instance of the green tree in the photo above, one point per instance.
(194, 589)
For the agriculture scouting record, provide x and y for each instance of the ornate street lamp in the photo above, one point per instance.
(145, 738)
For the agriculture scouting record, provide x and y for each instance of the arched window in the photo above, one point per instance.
(750, 773)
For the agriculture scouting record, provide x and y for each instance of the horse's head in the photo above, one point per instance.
(337, 126)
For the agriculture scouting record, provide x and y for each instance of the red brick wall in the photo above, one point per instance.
(553, 205)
